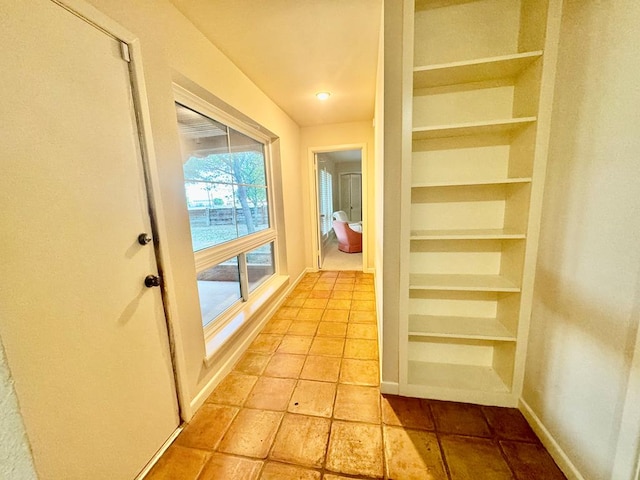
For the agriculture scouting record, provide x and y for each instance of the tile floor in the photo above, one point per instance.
(303, 403)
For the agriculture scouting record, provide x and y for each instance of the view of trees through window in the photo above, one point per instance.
(225, 180)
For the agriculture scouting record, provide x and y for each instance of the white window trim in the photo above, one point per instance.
(237, 314)
(212, 256)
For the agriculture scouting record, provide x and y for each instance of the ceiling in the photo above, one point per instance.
(341, 156)
(292, 49)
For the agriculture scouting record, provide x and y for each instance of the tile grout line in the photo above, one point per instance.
(270, 353)
(496, 440)
(445, 463)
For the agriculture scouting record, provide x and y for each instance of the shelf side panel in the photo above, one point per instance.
(533, 22)
(521, 152)
(504, 362)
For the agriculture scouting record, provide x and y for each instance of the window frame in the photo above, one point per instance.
(211, 256)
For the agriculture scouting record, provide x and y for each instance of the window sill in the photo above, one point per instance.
(236, 318)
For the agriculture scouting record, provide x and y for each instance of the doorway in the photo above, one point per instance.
(82, 321)
(338, 196)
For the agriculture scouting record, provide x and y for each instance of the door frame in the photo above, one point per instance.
(319, 237)
(313, 197)
(159, 226)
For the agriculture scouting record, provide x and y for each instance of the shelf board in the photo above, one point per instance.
(463, 283)
(473, 128)
(478, 234)
(476, 328)
(501, 181)
(478, 70)
(458, 377)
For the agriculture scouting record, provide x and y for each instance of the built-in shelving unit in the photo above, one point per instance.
(477, 170)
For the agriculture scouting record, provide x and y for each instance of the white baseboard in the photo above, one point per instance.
(391, 388)
(554, 449)
(159, 453)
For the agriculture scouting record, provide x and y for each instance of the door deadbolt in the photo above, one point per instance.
(151, 281)
(144, 239)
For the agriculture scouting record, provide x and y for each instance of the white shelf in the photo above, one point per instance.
(468, 183)
(474, 104)
(473, 128)
(476, 328)
(505, 66)
(478, 234)
(463, 283)
(458, 377)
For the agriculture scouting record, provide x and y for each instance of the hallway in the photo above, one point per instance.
(304, 403)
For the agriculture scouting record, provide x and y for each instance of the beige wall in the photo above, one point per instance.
(335, 135)
(172, 48)
(587, 296)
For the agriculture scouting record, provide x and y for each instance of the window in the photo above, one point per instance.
(228, 200)
(326, 201)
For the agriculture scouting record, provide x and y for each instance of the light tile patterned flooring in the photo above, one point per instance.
(304, 403)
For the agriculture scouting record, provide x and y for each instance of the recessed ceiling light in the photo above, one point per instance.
(323, 95)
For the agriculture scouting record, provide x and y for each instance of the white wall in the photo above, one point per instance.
(587, 294)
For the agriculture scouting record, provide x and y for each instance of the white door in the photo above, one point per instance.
(86, 341)
(351, 195)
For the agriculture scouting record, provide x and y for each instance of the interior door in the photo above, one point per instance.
(356, 197)
(351, 195)
(86, 341)
(345, 194)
